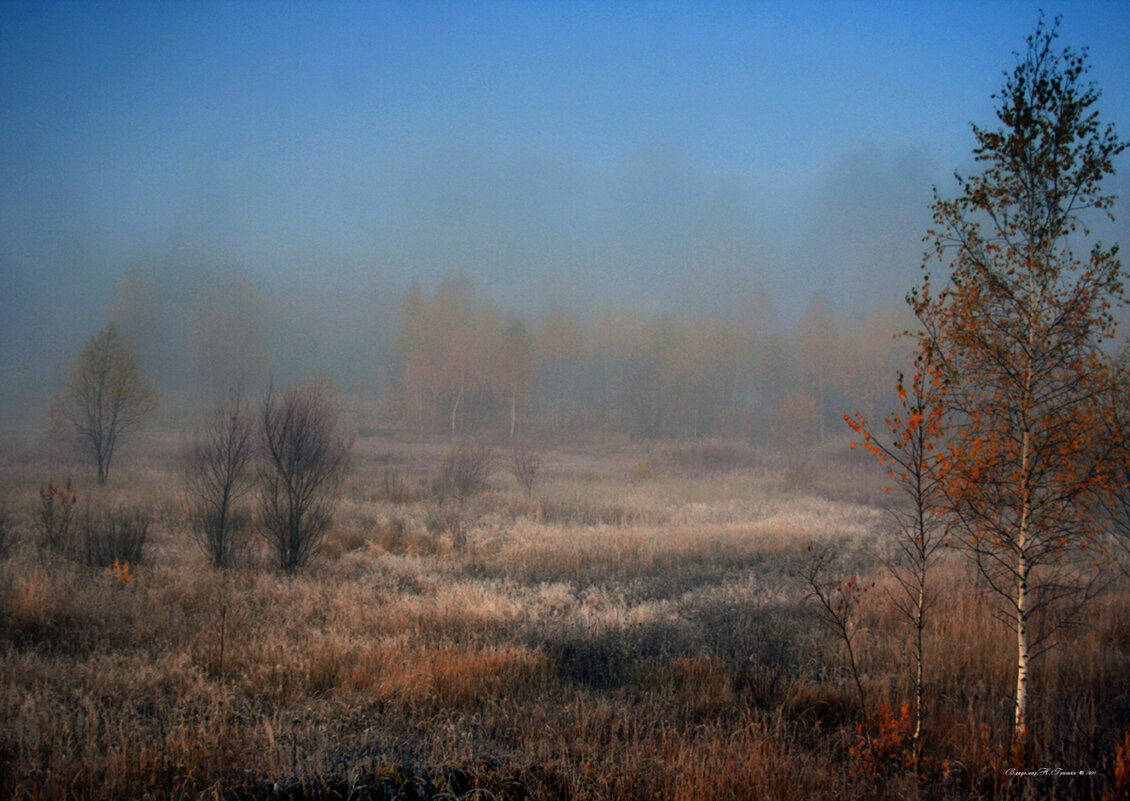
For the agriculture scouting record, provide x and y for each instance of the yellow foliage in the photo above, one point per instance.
(120, 574)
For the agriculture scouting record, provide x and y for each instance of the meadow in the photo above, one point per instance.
(636, 627)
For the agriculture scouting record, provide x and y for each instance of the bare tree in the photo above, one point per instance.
(524, 464)
(839, 601)
(105, 397)
(304, 457)
(465, 471)
(217, 474)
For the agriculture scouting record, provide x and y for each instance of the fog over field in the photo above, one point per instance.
(632, 401)
(649, 157)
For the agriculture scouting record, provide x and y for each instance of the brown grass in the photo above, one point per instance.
(668, 653)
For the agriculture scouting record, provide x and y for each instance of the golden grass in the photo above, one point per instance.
(668, 655)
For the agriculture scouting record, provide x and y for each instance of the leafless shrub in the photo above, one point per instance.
(217, 474)
(465, 472)
(304, 458)
(93, 534)
(56, 518)
(525, 464)
(114, 534)
(839, 600)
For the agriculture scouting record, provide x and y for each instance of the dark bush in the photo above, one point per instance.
(114, 535)
(223, 537)
(93, 534)
(525, 464)
(304, 458)
(56, 518)
(465, 472)
(217, 474)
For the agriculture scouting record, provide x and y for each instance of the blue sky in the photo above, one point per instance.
(572, 150)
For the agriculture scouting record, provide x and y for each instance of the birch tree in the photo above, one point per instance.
(1015, 334)
(911, 452)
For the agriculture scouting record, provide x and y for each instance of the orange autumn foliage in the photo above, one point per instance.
(1015, 339)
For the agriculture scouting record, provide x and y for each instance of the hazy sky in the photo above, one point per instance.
(657, 153)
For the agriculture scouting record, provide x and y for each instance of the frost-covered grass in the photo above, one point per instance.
(620, 634)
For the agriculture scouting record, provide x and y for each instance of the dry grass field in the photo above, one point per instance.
(635, 628)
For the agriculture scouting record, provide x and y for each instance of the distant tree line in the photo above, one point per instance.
(448, 361)
(459, 366)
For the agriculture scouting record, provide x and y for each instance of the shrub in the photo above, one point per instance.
(466, 471)
(56, 518)
(304, 458)
(93, 534)
(223, 537)
(398, 537)
(217, 474)
(890, 750)
(524, 464)
(114, 535)
(839, 600)
(390, 536)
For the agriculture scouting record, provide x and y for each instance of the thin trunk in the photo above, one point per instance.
(455, 407)
(920, 607)
(855, 672)
(1023, 568)
(102, 456)
(919, 655)
(513, 413)
(1022, 654)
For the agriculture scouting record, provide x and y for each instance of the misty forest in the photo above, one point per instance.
(566, 478)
